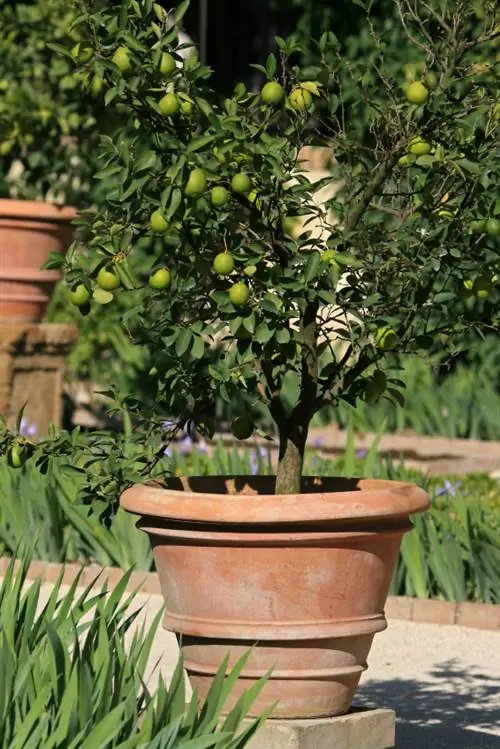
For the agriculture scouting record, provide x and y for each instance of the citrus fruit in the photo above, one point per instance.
(445, 213)
(219, 196)
(107, 280)
(121, 58)
(386, 338)
(223, 264)
(239, 294)
(478, 225)
(300, 99)
(419, 147)
(196, 183)
(417, 93)
(405, 160)
(79, 296)
(272, 93)
(242, 427)
(186, 107)
(169, 104)
(167, 64)
(241, 183)
(493, 227)
(158, 222)
(160, 279)
(96, 85)
(250, 270)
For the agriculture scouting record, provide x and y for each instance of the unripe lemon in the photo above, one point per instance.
(79, 296)
(419, 147)
(478, 225)
(223, 264)
(186, 107)
(121, 58)
(17, 455)
(96, 85)
(158, 222)
(242, 427)
(239, 294)
(219, 196)
(417, 93)
(493, 227)
(169, 104)
(241, 183)
(482, 287)
(107, 280)
(167, 64)
(160, 279)
(196, 183)
(386, 338)
(300, 99)
(272, 93)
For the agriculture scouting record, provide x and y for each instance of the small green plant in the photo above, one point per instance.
(71, 681)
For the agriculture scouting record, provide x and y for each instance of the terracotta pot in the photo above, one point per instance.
(304, 578)
(29, 232)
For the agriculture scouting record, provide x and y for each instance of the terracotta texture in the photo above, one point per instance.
(303, 578)
(29, 232)
(33, 360)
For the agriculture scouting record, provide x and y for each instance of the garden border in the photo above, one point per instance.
(424, 611)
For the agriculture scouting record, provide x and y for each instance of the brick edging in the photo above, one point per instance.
(473, 615)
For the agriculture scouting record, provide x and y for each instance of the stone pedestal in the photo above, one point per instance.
(32, 365)
(360, 729)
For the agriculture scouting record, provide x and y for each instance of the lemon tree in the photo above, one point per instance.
(295, 322)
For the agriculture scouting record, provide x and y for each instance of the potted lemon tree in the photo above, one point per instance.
(280, 323)
(48, 135)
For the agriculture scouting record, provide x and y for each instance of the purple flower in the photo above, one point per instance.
(169, 425)
(448, 488)
(318, 441)
(262, 451)
(254, 463)
(26, 429)
(168, 452)
(202, 447)
(361, 454)
(186, 445)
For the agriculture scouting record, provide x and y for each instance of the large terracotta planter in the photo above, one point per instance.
(304, 578)
(29, 232)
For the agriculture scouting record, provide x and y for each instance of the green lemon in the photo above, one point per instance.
(167, 64)
(493, 227)
(272, 93)
(419, 147)
(121, 59)
(17, 455)
(417, 93)
(482, 287)
(223, 264)
(157, 222)
(219, 196)
(79, 296)
(107, 280)
(241, 183)
(300, 99)
(242, 427)
(169, 104)
(96, 85)
(239, 294)
(386, 338)
(196, 183)
(478, 225)
(160, 279)
(186, 107)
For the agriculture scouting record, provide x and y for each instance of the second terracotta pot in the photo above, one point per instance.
(29, 232)
(303, 578)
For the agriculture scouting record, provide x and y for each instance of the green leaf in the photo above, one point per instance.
(181, 10)
(312, 266)
(183, 341)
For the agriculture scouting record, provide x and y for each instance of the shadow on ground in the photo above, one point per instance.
(449, 709)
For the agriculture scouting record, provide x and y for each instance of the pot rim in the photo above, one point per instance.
(36, 210)
(372, 498)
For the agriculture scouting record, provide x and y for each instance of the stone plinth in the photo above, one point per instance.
(360, 729)
(32, 366)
